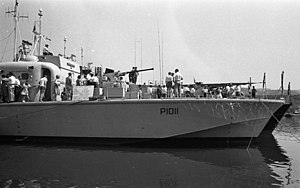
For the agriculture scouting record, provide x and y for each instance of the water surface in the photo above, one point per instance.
(274, 163)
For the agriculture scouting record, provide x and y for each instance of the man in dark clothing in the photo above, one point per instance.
(133, 75)
(253, 92)
(69, 87)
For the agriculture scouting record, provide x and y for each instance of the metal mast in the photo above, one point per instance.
(40, 14)
(16, 17)
(135, 48)
(15, 30)
(162, 57)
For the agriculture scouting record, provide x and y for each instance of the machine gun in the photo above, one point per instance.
(128, 72)
(133, 74)
(111, 74)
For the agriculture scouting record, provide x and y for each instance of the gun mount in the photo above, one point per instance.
(132, 71)
(111, 74)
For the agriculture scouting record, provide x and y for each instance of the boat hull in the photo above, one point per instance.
(138, 119)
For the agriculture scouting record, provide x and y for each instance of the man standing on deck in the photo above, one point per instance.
(69, 87)
(133, 75)
(169, 84)
(11, 87)
(43, 85)
(4, 89)
(177, 80)
(56, 91)
(253, 92)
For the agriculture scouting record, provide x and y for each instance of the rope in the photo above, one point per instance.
(195, 106)
(6, 45)
(190, 106)
(34, 47)
(249, 143)
(280, 122)
(20, 37)
(22, 139)
(7, 36)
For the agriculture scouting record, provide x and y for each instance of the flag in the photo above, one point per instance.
(264, 80)
(34, 29)
(282, 76)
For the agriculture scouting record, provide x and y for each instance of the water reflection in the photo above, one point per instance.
(82, 166)
(288, 136)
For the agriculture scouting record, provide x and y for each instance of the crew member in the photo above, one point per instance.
(253, 92)
(46, 50)
(43, 85)
(177, 80)
(69, 87)
(133, 75)
(11, 87)
(56, 90)
(169, 84)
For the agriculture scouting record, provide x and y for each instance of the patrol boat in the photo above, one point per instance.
(119, 116)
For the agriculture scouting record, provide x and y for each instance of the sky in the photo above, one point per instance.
(207, 40)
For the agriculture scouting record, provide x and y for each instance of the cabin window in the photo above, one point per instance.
(24, 76)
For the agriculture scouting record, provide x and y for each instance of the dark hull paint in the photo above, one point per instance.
(138, 142)
(275, 118)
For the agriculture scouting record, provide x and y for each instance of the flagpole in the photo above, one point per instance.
(141, 59)
(282, 75)
(65, 41)
(264, 84)
(289, 93)
(81, 56)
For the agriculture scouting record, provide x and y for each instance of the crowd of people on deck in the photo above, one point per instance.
(193, 91)
(174, 88)
(229, 91)
(12, 90)
(89, 79)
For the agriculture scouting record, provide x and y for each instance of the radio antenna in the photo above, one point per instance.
(159, 53)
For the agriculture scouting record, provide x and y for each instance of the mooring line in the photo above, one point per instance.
(279, 121)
